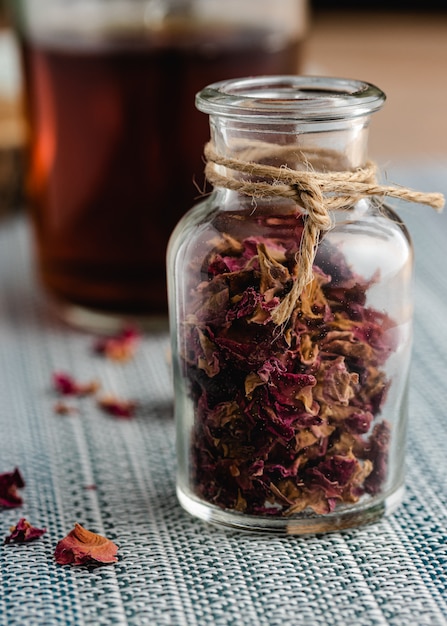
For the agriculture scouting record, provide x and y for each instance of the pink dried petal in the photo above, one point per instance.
(68, 386)
(64, 384)
(61, 408)
(24, 532)
(120, 347)
(83, 547)
(117, 407)
(9, 483)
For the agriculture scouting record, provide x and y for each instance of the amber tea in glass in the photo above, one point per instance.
(116, 142)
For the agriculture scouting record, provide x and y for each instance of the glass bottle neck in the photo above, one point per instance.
(320, 146)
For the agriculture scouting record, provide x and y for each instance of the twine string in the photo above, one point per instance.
(318, 193)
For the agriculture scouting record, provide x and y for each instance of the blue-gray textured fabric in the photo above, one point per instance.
(172, 569)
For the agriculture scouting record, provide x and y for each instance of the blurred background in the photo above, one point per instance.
(403, 51)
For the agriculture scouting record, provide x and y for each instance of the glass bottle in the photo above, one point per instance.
(115, 139)
(296, 426)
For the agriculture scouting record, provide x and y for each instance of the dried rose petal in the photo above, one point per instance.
(24, 532)
(83, 547)
(9, 483)
(68, 386)
(120, 347)
(61, 408)
(119, 408)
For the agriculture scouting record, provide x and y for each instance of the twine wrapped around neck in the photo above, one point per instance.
(318, 193)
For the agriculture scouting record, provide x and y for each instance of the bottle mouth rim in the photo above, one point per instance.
(277, 99)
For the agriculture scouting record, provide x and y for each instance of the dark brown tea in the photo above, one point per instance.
(116, 144)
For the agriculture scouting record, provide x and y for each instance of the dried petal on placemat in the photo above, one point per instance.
(117, 407)
(120, 347)
(66, 385)
(9, 483)
(62, 408)
(24, 532)
(83, 547)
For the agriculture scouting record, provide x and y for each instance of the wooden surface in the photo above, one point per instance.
(403, 54)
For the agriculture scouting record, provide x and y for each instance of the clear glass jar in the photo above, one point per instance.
(295, 427)
(115, 139)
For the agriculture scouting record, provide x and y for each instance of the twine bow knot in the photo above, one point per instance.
(318, 193)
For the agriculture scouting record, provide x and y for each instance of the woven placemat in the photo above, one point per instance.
(174, 570)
